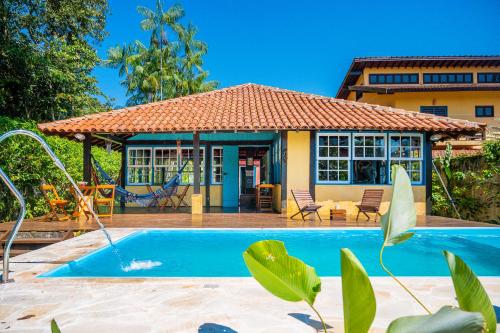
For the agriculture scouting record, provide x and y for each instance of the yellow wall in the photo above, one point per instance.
(298, 154)
(461, 104)
(348, 196)
(215, 193)
(277, 198)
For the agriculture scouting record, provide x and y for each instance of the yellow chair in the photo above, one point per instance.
(56, 204)
(104, 196)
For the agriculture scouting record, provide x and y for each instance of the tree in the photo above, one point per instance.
(47, 55)
(170, 66)
(192, 78)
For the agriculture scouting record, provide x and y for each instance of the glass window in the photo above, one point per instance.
(488, 77)
(369, 172)
(369, 165)
(447, 77)
(165, 166)
(333, 154)
(217, 165)
(393, 78)
(435, 110)
(485, 111)
(139, 166)
(407, 150)
(369, 146)
(188, 172)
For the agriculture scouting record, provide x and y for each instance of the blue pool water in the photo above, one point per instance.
(218, 253)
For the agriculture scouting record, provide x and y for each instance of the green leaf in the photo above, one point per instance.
(401, 215)
(282, 275)
(53, 326)
(470, 293)
(357, 294)
(447, 320)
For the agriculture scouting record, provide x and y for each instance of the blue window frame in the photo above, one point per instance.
(488, 77)
(407, 150)
(217, 174)
(139, 162)
(485, 111)
(435, 110)
(366, 157)
(410, 78)
(333, 155)
(451, 78)
(154, 165)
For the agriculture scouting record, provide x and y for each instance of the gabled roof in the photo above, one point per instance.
(359, 64)
(252, 107)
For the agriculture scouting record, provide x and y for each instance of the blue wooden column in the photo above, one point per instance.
(87, 166)
(196, 162)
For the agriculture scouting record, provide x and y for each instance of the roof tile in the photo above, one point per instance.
(254, 107)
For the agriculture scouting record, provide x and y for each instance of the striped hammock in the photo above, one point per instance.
(145, 200)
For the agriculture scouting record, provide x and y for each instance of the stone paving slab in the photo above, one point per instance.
(206, 305)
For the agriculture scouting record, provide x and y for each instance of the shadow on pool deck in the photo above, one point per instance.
(215, 328)
(306, 319)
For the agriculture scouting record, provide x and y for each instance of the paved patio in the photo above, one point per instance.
(207, 305)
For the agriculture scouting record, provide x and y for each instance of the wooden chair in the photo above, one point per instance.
(103, 201)
(156, 200)
(180, 197)
(265, 197)
(56, 204)
(370, 203)
(81, 206)
(305, 203)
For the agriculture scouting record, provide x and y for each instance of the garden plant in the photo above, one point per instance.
(291, 279)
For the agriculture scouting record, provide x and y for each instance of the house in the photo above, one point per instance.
(461, 87)
(238, 137)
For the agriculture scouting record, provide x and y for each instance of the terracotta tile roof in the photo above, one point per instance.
(251, 107)
(359, 64)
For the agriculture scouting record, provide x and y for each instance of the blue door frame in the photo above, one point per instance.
(230, 196)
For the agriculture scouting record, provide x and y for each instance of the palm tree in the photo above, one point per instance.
(156, 21)
(167, 67)
(192, 74)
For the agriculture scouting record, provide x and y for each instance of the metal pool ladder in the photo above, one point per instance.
(19, 197)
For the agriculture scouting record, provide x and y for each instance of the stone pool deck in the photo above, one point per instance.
(206, 305)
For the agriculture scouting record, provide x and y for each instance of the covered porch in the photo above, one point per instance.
(237, 138)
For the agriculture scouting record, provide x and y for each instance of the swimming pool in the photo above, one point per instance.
(218, 253)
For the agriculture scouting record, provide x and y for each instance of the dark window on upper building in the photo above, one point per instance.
(448, 78)
(484, 111)
(488, 77)
(393, 78)
(435, 110)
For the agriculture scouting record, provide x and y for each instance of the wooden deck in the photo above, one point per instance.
(224, 220)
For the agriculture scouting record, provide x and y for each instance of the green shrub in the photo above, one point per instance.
(27, 165)
(473, 183)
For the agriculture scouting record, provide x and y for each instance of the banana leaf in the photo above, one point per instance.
(447, 320)
(357, 294)
(53, 327)
(401, 215)
(470, 293)
(282, 275)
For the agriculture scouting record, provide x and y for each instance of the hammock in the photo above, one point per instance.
(145, 200)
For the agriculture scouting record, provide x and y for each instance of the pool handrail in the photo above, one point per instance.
(19, 197)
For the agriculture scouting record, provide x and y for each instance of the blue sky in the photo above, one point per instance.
(309, 45)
